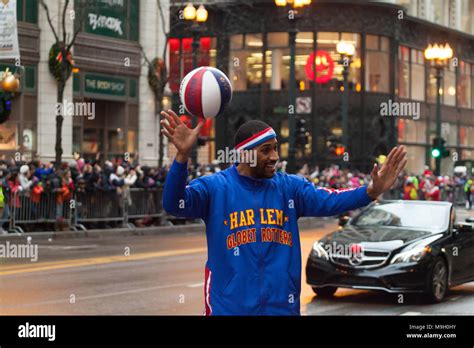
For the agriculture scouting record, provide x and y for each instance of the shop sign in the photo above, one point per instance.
(107, 17)
(324, 64)
(100, 84)
(303, 105)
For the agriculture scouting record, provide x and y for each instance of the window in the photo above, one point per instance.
(439, 11)
(449, 89)
(277, 74)
(415, 159)
(28, 143)
(404, 72)
(431, 86)
(181, 57)
(417, 75)
(410, 5)
(411, 131)
(8, 136)
(76, 138)
(466, 136)
(464, 85)
(467, 11)
(304, 48)
(449, 131)
(116, 141)
(448, 85)
(27, 11)
(472, 86)
(329, 65)
(377, 64)
(92, 141)
(278, 60)
(246, 61)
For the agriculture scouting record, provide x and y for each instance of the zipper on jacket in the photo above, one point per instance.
(260, 261)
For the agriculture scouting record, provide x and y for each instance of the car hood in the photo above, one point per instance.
(381, 238)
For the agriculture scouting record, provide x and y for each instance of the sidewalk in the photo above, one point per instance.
(462, 214)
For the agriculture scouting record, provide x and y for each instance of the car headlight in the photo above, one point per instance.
(318, 251)
(412, 255)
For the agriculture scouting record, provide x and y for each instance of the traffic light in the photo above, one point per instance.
(301, 138)
(438, 148)
(335, 146)
(339, 151)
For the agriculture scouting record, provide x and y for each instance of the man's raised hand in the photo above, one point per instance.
(182, 137)
(383, 179)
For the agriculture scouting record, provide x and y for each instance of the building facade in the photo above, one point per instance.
(112, 79)
(250, 42)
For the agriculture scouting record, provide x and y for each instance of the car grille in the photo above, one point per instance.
(371, 259)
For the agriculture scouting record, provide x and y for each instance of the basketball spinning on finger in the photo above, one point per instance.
(205, 92)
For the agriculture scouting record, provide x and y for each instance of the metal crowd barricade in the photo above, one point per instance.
(142, 203)
(97, 207)
(5, 221)
(459, 196)
(83, 208)
(47, 208)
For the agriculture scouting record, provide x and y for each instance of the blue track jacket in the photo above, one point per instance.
(254, 252)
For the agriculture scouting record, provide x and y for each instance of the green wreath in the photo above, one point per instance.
(157, 75)
(55, 62)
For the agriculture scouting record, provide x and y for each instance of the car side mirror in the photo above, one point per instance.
(343, 220)
(464, 227)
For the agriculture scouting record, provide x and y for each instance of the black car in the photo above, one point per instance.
(398, 247)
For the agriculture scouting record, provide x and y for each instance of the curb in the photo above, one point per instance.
(303, 223)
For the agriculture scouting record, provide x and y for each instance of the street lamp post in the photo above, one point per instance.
(440, 55)
(198, 17)
(346, 50)
(292, 99)
(292, 5)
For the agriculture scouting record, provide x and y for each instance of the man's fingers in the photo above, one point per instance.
(390, 155)
(170, 119)
(167, 126)
(401, 154)
(199, 126)
(401, 165)
(175, 117)
(166, 133)
(375, 171)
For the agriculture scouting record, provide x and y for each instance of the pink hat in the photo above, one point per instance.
(80, 164)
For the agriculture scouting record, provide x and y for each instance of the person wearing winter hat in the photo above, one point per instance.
(24, 177)
(117, 179)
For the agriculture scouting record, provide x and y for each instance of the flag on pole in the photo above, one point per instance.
(9, 48)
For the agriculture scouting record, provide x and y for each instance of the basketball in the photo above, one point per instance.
(205, 92)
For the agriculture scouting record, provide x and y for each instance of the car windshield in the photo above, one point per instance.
(430, 217)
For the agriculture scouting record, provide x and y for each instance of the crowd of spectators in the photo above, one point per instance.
(77, 176)
(81, 176)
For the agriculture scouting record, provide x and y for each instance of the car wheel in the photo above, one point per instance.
(327, 291)
(438, 282)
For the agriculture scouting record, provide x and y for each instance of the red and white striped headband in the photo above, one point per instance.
(256, 139)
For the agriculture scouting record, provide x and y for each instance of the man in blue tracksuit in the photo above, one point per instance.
(251, 214)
